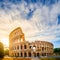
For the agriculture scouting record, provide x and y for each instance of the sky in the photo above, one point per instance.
(38, 19)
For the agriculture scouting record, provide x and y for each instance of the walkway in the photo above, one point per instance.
(35, 59)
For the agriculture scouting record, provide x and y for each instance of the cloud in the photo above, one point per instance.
(42, 24)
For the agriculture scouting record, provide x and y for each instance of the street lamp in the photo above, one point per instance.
(34, 50)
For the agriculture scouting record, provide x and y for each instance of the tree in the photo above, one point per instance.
(57, 51)
(1, 50)
(6, 52)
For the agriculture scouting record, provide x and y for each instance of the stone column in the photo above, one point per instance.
(27, 54)
(19, 54)
(23, 54)
(32, 54)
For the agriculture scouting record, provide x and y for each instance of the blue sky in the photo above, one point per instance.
(39, 19)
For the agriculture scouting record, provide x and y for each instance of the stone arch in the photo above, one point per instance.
(34, 54)
(38, 54)
(25, 46)
(25, 54)
(29, 54)
(21, 54)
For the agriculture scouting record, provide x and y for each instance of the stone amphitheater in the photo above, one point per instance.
(19, 47)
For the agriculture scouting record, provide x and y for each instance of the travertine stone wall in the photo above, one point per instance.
(19, 47)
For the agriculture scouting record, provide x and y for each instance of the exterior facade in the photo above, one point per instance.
(19, 47)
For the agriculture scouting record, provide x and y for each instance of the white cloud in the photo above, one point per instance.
(42, 23)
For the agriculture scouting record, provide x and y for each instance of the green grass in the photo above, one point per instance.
(50, 59)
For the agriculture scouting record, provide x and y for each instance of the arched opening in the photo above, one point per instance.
(30, 47)
(25, 47)
(42, 48)
(21, 46)
(18, 47)
(42, 54)
(21, 54)
(34, 54)
(17, 54)
(29, 54)
(38, 55)
(25, 54)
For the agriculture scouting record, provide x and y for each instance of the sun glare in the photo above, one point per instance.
(5, 41)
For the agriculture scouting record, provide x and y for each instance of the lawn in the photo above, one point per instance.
(50, 59)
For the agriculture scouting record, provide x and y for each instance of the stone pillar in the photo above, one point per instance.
(23, 54)
(32, 54)
(16, 53)
(27, 54)
(19, 54)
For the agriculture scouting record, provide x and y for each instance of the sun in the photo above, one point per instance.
(5, 41)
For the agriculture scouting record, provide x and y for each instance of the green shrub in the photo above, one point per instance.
(1, 50)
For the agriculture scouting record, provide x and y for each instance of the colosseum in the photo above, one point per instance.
(19, 47)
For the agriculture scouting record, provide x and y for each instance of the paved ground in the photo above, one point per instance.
(35, 59)
(21, 58)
